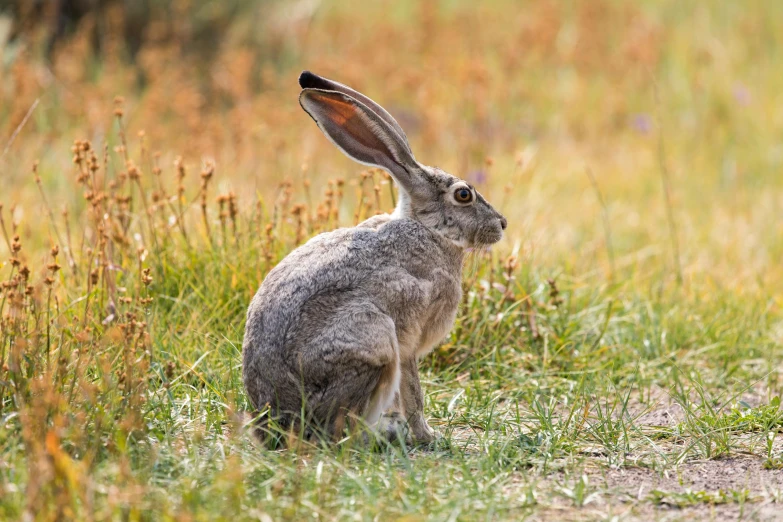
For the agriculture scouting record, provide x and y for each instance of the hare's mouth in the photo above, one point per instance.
(486, 236)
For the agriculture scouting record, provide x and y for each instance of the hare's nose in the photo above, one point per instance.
(503, 223)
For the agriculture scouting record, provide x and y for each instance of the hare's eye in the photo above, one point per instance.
(463, 195)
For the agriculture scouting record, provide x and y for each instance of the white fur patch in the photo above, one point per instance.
(383, 397)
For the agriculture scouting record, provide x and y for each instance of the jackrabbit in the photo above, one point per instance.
(335, 331)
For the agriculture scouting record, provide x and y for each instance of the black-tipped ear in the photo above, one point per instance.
(308, 80)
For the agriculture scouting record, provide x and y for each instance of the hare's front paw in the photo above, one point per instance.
(421, 432)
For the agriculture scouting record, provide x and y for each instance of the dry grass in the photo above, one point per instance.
(135, 231)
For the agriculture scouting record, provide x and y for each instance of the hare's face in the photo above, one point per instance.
(454, 208)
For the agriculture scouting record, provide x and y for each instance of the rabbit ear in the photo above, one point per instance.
(360, 133)
(308, 80)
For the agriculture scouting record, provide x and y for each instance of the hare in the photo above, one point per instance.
(336, 329)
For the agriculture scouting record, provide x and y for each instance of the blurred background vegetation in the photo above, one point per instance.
(635, 146)
(522, 96)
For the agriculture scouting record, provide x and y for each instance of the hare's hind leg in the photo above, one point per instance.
(353, 367)
(383, 396)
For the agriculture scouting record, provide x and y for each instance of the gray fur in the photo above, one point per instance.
(337, 327)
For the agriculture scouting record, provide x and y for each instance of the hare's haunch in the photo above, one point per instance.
(335, 331)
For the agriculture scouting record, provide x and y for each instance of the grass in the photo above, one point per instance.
(627, 332)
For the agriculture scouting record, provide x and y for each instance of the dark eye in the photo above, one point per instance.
(463, 195)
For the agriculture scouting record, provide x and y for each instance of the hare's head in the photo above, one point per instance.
(364, 131)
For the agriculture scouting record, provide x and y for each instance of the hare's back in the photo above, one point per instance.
(351, 262)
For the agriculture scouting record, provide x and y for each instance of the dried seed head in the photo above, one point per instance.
(119, 101)
(180, 166)
(145, 277)
(94, 163)
(232, 205)
(207, 172)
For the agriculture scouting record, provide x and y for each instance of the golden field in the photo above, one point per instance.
(635, 147)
